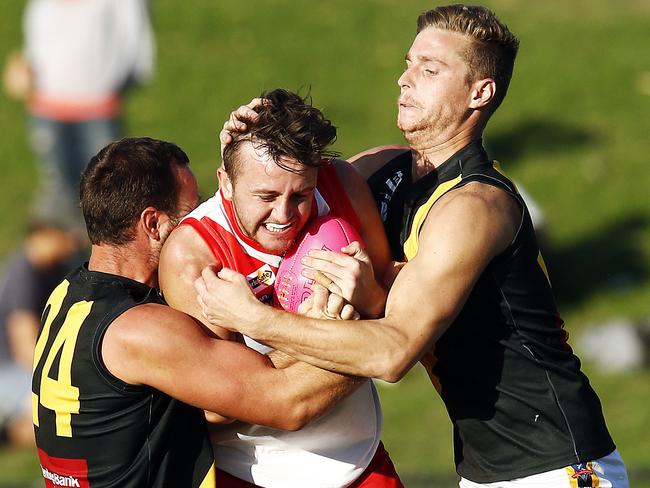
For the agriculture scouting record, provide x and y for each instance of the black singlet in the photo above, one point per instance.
(512, 386)
(92, 429)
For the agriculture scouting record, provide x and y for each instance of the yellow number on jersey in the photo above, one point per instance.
(59, 394)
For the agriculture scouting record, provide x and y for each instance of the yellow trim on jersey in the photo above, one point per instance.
(540, 258)
(412, 243)
(210, 480)
(542, 264)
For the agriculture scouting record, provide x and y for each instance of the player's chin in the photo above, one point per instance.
(277, 244)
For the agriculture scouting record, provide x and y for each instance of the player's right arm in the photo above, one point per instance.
(157, 346)
(183, 257)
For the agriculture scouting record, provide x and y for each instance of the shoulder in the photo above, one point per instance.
(477, 213)
(346, 172)
(144, 335)
(182, 258)
(483, 198)
(139, 325)
(355, 187)
(183, 244)
(370, 161)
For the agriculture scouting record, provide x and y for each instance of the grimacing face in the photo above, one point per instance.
(434, 90)
(271, 204)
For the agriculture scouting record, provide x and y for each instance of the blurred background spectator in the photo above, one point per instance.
(29, 276)
(79, 56)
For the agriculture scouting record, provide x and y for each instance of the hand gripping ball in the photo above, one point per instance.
(326, 232)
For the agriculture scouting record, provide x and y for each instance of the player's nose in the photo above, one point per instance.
(283, 211)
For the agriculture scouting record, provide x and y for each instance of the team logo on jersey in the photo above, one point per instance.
(61, 472)
(386, 196)
(582, 475)
(261, 278)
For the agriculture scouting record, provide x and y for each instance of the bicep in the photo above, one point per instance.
(456, 243)
(170, 352)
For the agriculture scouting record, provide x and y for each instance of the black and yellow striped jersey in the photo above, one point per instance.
(512, 386)
(92, 429)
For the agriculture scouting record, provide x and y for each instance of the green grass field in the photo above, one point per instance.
(574, 130)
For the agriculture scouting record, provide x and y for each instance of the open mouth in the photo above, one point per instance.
(277, 228)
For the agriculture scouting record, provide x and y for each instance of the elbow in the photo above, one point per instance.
(296, 417)
(393, 366)
(392, 373)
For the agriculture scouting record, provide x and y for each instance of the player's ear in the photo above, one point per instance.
(150, 222)
(225, 183)
(483, 92)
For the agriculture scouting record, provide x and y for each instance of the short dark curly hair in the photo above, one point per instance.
(289, 127)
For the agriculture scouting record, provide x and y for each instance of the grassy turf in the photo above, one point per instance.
(574, 131)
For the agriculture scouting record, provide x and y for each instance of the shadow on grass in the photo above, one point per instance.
(609, 259)
(539, 137)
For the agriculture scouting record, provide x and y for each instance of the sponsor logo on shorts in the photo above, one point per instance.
(582, 475)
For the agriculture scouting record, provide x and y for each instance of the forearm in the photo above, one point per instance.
(309, 392)
(362, 348)
(281, 360)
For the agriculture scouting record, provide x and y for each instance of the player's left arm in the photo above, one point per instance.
(463, 232)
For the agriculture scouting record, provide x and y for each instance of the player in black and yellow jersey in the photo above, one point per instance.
(120, 379)
(473, 301)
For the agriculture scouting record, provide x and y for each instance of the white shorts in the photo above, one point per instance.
(606, 472)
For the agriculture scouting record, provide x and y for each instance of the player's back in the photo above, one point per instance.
(92, 429)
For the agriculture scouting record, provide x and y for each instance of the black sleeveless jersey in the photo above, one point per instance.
(92, 429)
(512, 386)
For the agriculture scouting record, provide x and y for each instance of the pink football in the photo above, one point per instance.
(326, 232)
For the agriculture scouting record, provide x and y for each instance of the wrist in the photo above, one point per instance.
(254, 323)
(377, 303)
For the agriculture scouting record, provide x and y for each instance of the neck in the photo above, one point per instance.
(432, 148)
(427, 156)
(124, 261)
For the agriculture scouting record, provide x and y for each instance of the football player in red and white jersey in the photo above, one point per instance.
(277, 174)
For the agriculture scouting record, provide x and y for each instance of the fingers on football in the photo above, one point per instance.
(319, 296)
(306, 305)
(355, 250)
(328, 256)
(333, 270)
(349, 313)
(335, 305)
(326, 280)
